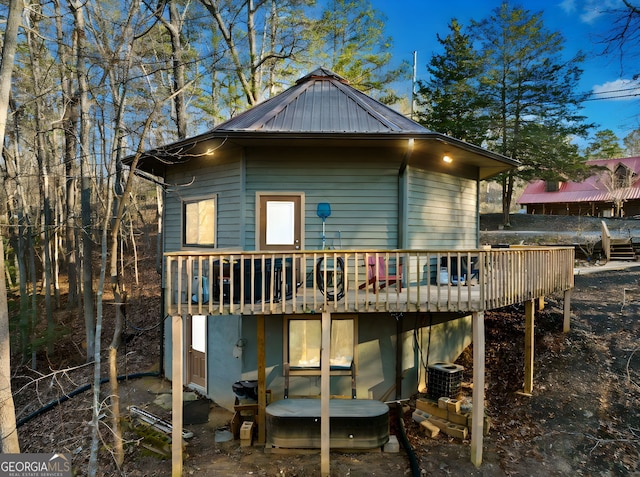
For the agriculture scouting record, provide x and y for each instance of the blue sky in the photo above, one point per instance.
(413, 24)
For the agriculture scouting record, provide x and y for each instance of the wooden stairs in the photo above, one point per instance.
(617, 248)
(622, 251)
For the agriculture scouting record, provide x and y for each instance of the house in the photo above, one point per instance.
(319, 243)
(612, 191)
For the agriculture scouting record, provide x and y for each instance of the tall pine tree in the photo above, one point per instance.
(533, 102)
(449, 102)
(349, 39)
(605, 145)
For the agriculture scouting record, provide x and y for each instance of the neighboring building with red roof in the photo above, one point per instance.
(611, 192)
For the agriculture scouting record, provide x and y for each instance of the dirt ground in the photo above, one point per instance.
(582, 418)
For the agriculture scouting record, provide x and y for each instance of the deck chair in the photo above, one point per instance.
(379, 275)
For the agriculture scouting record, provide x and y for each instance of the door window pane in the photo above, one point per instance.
(199, 332)
(280, 223)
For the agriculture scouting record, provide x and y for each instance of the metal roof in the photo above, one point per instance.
(595, 188)
(322, 102)
(322, 110)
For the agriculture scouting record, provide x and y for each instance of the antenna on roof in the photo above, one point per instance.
(413, 82)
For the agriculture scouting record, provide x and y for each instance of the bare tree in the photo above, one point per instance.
(252, 50)
(35, 47)
(174, 26)
(623, 34)
(69, 124)
(618, 182)
(8, 432)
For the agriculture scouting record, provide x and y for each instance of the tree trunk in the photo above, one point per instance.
(225, 31)
(92, 469)
(69, 121)
(178, 70)
(85, 192)
(118, 298)
(8, 432)
(87, 266)
(43, 176)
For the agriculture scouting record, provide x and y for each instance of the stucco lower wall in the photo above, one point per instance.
(223, 369)
(422, 344)
(376, 356)
(427, 345)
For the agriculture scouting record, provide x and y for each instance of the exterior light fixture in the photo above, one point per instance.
(446, 158)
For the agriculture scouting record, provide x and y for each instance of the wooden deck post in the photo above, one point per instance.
(325, 393)
(567, 310)
(176, 395)
(477, 419)
(262, 382)
(529, 342)
(398, 357)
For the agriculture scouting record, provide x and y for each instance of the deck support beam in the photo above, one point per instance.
(529, 343)
(176, 394)
(398, 357)
(567, 311)
(325, 393)
(477, 419)
(262, 381)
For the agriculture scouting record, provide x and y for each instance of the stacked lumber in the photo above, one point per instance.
(444, 416)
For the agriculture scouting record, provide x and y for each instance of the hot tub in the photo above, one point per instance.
(354, 423)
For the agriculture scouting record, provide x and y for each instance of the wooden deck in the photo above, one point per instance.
(334, 281)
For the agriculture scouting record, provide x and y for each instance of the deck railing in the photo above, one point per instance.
(340, 280)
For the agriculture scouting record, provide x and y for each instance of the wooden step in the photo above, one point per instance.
(622, 251)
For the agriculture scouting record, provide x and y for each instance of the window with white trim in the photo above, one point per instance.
(304, 339)
(199, 222)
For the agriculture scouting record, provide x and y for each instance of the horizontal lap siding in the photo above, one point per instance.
(360, 184)
(441, 211)
(223, 178)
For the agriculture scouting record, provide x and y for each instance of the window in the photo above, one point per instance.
(199, 226)
(304, 339)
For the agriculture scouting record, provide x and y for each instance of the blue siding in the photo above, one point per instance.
(202, 177)
(442, 211)
(361, 186)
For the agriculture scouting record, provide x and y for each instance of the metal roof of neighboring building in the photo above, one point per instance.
(595, 188)
(322, 102)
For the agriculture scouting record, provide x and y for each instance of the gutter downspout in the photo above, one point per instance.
(402, 195)
(478, 185)
(402, 244)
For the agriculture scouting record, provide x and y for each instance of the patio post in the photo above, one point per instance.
(477, 419)
(529, 343)
(262, 382)
(567, 311)
(176, 395)
(325, 392)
